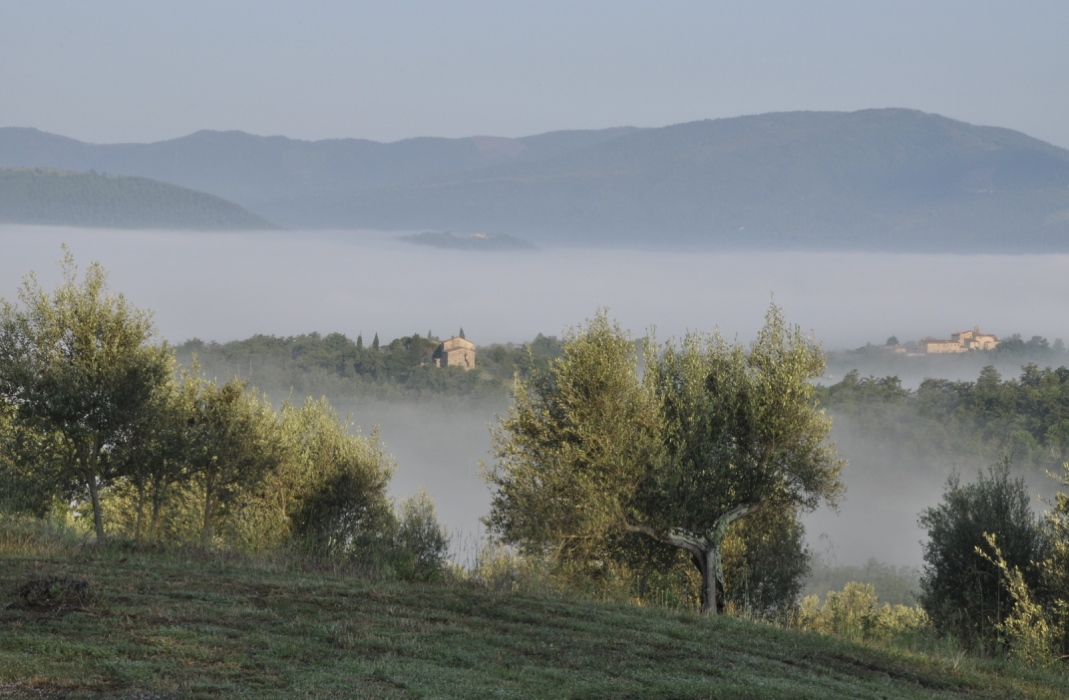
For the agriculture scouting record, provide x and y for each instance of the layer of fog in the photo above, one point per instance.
(231, 286)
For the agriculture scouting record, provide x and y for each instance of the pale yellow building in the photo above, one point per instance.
(961, 342)
(455, 352)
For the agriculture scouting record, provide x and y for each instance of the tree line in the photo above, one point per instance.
(1025, 418)
(401, 369)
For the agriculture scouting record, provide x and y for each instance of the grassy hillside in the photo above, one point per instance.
(185, 624)
(59, 197)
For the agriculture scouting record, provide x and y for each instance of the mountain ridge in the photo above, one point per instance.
(878, 179)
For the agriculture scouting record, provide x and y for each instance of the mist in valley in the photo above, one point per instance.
(231, 286)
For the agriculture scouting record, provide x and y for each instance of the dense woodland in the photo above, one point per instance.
(64, 198)
(335, 365)
(1024, 418)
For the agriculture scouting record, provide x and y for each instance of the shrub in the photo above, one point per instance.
(855, 613)
(419, 538)
(962, 591)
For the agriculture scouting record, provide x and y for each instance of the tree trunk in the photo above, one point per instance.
(159, 493)
(94, 493)
(206, 532)
(705, 553)
(140, 510)
(712, 573)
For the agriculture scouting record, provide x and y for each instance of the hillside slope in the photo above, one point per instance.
(882, 179)
(252, 169)
(196, 625)
(877, 179)
(63, 198)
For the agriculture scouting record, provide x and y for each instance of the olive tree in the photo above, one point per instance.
(574, 447)
(714, 431)
(963, 591)
(78, 364)
(236, 442)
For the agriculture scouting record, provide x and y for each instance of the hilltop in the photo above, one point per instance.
(63, 198)
(881, 180)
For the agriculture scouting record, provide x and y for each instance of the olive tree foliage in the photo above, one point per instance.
(157, 458)
(574, 447)
(766, 562)
(740, 433)
(234, 444)
(77, 364)
(1054, 568)
(714, 431)
(962, 591)
(331, 485)
(30, 460)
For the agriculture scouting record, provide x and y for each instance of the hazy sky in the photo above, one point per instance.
(124, 70)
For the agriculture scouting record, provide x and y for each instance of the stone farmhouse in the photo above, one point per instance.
(961, 342)
(455, 352)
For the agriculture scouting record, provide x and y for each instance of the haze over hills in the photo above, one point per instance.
(252, 170)
(64, 198)
(887, 179)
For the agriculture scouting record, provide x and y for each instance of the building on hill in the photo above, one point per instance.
(455, 352)
(961, 342)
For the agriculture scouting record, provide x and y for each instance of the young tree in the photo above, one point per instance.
(963, 592)
(574, 447)
(158, 454)
(78, 363)
(331, 487)
(236, 442)
(713, 433)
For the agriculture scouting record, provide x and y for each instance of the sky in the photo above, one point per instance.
(113, 71)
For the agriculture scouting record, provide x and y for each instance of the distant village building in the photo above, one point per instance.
(961, 342)
(455, 352)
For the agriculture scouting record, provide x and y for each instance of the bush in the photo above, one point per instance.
(962, 591)
(419, 538)
(855, 613)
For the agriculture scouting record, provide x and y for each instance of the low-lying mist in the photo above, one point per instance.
(234, 285)
(226, 286)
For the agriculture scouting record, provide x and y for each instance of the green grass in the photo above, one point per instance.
(183, 624)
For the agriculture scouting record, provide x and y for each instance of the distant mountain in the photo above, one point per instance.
(875, 180)
(251, 170)
(888, 179)
(64, 198)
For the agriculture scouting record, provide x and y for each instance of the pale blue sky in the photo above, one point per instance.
(119, 70)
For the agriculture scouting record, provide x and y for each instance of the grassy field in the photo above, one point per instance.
(183, 624)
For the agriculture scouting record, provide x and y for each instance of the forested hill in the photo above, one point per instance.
(58, 197)
(886, 179)
(893, 180)
(252, 170)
